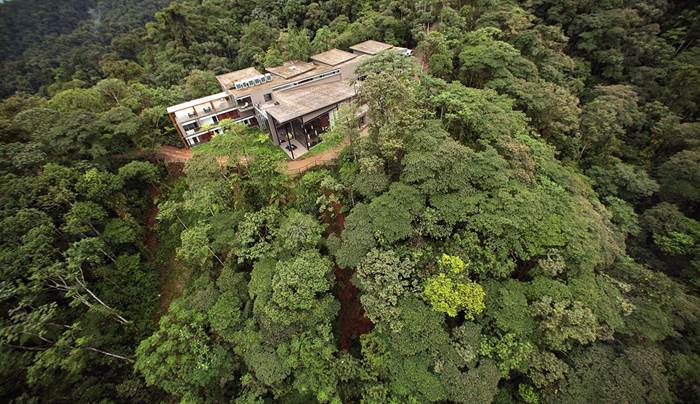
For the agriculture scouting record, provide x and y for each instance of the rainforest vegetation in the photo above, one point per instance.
(518, 222)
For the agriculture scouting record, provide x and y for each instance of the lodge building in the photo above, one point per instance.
(294, 102)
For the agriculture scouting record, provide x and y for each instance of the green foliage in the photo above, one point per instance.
(393, 212)
(307, 190)
(636, 374)
(255, 233)
(181, 358)
(383, 277)
(509, 352)
(298, 281)
(624, 181)
(546, 369)
(527, 394)
(449, 297)
(484, 58)
(438, 52)
(264, 361)
(225, 315)
(357, 239)
(314, 363)
(587, 285)
(200, 84)
(297, 232)
(678, 177)
(404, 359)
(564, 322)
(661, 305)
(194, 250)
(504, 304)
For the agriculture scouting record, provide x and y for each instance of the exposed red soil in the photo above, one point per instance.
(151, 239)
(172, 154)
(352, 321)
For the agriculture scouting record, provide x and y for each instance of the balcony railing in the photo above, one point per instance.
(207, 111)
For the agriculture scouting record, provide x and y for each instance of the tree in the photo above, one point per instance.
(391, 95)
(393, 212)
(564, 322)
(553, 110)
(631, 183)
(450, 292)
(345, 127)
(297, 232)
(471, 114)
(194, 248)
(560, 186)
(255, 234)
(199, 84)
(298, 286)
(383, 277)
(678, 178)
(324, 39)
(636, 374)
(295, 44)
(314, 364)
(181, 358)
(483, 58)
(83, 217)
(437, 50)
(508, 351)
(604, 120)
(446, 296)
(357, 238)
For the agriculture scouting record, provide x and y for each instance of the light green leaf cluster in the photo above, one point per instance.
(451, 292)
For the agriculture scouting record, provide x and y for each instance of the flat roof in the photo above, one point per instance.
(291, 69)
(371, 47)
(279, 81)
(228, 79)
(292, 104)
(198, 101)
(333, 57)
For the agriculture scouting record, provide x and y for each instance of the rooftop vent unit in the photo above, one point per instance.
(253, 81)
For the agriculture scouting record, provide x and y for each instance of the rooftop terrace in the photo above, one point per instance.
(333, 57)
(371, 47)
(291, 69)
(199, 101)
(228, 79)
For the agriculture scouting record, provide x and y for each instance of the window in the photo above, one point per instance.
(268, 97)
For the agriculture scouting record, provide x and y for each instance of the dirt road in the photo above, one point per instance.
(172, 154)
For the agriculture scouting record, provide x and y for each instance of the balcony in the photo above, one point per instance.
(202, 111)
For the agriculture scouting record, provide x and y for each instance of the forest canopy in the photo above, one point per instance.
(517, 222)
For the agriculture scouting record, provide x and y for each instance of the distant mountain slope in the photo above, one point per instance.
(27, 23)
(43, 40)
